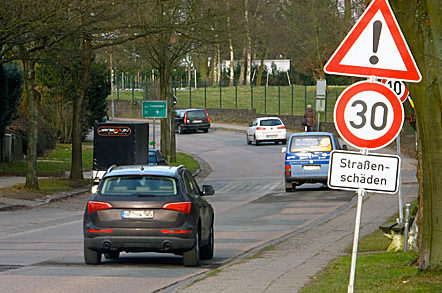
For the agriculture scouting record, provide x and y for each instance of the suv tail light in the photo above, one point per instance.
(281, 127)
(95, 206)
(182, 207)
(288, 170)
(260, 128)
(185, 118)
(208, 118)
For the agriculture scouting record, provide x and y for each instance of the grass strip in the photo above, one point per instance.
(54, 163)
(376, 270)
(47, 187)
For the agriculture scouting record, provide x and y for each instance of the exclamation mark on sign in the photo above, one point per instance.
(377, 27)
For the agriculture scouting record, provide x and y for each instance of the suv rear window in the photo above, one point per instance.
(139, 185)
(196, 114)
(310, 144)
(270, 122)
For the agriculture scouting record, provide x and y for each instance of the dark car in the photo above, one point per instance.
(187, 120)
(149, 209)
(156, 157)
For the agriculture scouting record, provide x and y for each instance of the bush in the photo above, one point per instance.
(46, 135)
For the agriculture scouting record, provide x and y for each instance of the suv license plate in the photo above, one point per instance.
(137, 214)
(197, 121)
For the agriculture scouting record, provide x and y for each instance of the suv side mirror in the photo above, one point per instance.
(208, 190)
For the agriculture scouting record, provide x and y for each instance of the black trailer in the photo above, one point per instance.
(119, 144)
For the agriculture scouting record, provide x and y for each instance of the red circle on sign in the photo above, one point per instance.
(348, 135)
(404, 95)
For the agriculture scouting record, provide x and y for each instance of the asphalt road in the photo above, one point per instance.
(41, 250)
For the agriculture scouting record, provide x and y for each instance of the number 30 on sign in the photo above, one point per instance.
(368, 115)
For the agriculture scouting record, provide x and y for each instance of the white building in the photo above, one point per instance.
(282, 65)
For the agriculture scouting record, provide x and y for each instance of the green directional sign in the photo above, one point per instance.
(154, 109)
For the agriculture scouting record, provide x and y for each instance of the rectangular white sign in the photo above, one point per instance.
(373, 172)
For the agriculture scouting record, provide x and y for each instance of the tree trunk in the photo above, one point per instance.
(33, 108)
(232, 64)
(231, 53)
(243, 65)
(203, 68)
(261, 66)
(78, 109)
(218, 64)
(348, 13)
(421, 25)
(248, 43)
(214, 68)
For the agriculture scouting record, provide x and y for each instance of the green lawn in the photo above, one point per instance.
(54, 163)
(266, 100)
(376, 271)
(188, 161)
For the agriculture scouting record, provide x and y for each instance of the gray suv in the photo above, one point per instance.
(149, 209)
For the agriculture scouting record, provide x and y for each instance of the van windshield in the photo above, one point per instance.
(310, 144)
(139, 185)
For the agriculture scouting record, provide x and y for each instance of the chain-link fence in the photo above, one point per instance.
(272, 100)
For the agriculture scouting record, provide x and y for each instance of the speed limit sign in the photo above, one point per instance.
(368, 115)
(398, 87)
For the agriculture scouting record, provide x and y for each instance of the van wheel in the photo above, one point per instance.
(191, 258)
(290, 189)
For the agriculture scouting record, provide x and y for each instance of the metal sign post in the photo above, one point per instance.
(321, 94)
(401, 205)
(153, 132)
(354, 255)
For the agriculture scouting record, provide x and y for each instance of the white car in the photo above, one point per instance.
(267, 129)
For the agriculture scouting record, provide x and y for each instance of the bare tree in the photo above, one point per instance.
(183, 27)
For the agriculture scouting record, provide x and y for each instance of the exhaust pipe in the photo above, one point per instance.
(106, 245)
(167, 246)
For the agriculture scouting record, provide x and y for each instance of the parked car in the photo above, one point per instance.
(187, 120)
(149, 209)
(266, 129)
(156, 157)
(307, 158)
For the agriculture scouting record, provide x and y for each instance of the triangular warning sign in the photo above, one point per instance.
(375, 46)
